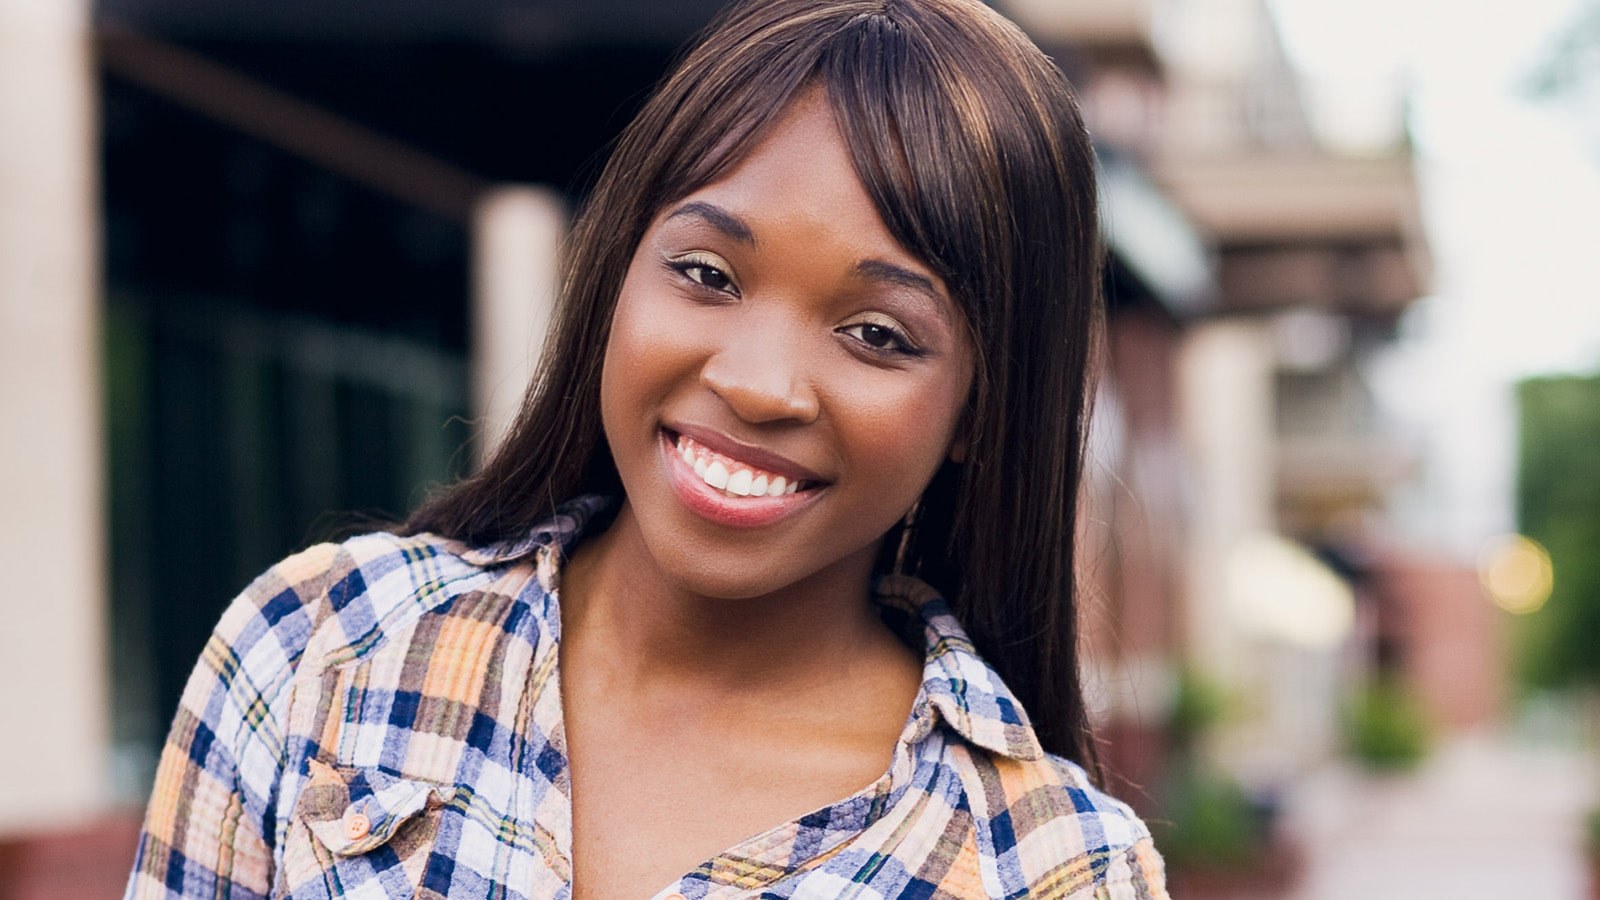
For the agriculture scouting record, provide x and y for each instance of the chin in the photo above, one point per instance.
(715, 577)
(723, 573)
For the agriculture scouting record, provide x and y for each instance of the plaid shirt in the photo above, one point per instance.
(382, 718)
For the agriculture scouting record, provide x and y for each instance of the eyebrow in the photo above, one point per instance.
(718, 218)
(880, 270)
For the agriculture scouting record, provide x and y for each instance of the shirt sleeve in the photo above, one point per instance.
(210, 826)
(1138, 873)
(1119, 846)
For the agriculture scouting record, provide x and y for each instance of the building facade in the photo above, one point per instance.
(279, 259)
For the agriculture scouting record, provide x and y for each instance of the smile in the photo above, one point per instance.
(731, 476)
(731, 491)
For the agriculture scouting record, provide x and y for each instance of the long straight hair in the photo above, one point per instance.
(968, 141)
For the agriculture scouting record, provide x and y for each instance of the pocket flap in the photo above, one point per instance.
(351, 811)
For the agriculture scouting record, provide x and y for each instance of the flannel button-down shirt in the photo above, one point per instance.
(382, 718)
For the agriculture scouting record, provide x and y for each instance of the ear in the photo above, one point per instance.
(958, 450)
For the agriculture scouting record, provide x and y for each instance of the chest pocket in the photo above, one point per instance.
(361, 833)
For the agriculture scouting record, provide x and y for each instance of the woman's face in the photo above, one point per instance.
(782, 378)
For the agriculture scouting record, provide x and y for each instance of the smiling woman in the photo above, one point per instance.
(769, 591)
(759, 328)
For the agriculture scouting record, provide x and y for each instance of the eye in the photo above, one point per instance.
(710, 276)
(881, 337)
(704, 270)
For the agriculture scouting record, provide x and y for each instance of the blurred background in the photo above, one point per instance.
(268, 267)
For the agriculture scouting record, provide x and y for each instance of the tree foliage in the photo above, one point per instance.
(1558, 505)
(1567, 74)
(1571, 62)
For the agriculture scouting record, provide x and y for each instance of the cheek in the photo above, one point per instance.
(621, 356)
(644, 357)
(902, 431)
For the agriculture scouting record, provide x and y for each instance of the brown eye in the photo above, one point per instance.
(710, 276)
(876, 336)
(704, 269)
(880, 338)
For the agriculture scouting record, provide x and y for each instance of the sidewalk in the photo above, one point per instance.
(1483, 818)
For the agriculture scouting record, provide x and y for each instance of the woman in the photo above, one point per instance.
(822, 359)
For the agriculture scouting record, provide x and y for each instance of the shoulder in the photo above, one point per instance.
(216, 810)
(327, 602)
(334, 603)
(1049, 830)
(1057, 834)
(1106, 822)
(339, 596)
(325, 605)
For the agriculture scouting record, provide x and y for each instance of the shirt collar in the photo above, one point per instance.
(554, 537)
(957, 684)
(965, 691)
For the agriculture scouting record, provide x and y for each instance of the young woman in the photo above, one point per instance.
(770, 590)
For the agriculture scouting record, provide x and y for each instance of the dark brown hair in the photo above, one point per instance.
(966, 138)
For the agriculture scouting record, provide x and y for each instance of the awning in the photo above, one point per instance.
(1153, 239)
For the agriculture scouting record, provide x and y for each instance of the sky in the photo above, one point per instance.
(1511, 203)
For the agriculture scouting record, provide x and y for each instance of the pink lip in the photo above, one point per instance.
(755, 456)
(715, 506)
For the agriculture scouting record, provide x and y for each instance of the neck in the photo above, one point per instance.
(650, 631)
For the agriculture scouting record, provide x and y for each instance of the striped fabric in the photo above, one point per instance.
(380, 718)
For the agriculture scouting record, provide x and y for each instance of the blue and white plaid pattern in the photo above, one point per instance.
(380, 718)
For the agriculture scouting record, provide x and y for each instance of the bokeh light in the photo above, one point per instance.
(1516, 573)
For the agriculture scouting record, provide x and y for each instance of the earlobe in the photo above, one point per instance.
(958, 450)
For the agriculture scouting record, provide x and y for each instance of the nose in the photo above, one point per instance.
(762, 380)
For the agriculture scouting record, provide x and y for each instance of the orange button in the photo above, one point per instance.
(674, 897)
(357, 826)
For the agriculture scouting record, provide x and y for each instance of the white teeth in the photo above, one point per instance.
(716, 475)
(740, 482)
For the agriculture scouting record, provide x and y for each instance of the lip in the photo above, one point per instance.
(755, 456)
(735, 512)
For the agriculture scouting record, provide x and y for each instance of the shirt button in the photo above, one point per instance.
(357, 826)
(674, 896)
